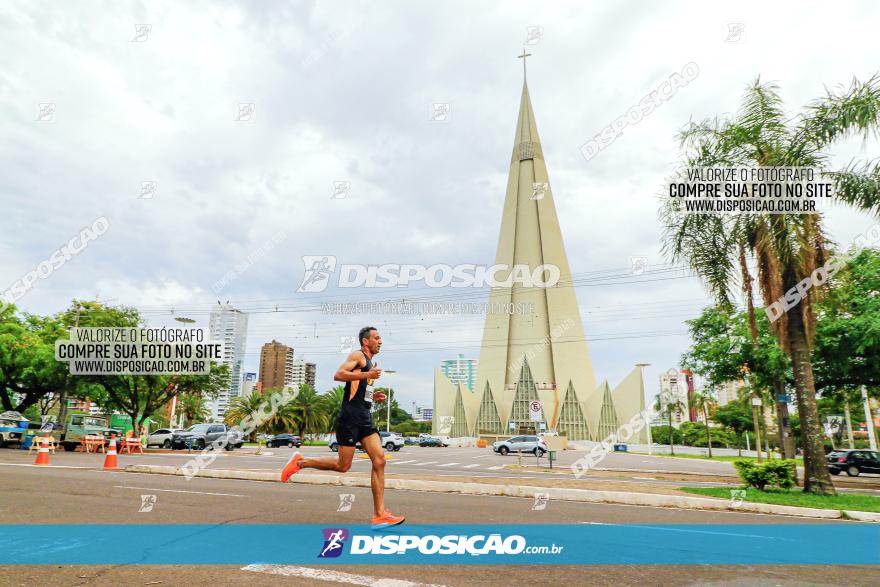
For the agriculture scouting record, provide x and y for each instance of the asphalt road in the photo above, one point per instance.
(88, 495)
(455, 462)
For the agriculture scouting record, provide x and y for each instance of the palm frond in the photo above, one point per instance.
(844, 112)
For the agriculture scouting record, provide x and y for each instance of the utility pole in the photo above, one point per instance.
(388, 421)
(849, 433)
(756, 405)
(869, 423)
(62, 412)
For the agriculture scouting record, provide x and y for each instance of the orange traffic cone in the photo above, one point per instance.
(110, 459)
(43, 453)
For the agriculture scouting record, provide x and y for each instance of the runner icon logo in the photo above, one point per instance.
(334, 542)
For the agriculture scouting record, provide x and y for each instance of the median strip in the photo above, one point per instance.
(554, 493)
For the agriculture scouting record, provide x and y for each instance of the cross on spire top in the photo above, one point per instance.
(523, 57)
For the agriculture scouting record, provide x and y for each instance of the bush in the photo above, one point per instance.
(660, 435)
(775, 473)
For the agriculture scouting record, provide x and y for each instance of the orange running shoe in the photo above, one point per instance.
(386, 520)
(292, 467)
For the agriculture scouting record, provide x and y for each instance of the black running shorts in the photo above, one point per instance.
(349, 432)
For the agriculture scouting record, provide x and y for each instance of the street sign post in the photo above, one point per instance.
(535, 412)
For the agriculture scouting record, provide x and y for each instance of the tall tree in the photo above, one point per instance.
(240, 408)
(308, 411)
(706, 404)
(786, 247)
(668, 404)
(736, 417)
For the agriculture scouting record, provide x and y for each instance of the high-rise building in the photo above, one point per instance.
(249, 384)
(276, 365)
(228, 327)
(534, 370)
(674, 389)
(301, 373)
(728, 392)
(422, 414)
(460, 370)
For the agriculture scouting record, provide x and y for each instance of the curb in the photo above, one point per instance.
(565, 494)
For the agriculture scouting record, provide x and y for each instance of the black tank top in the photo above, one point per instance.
(356, 407)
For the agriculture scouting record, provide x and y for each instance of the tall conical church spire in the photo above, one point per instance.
(549, 337)
(539, 350)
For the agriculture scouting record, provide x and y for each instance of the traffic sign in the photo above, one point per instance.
(535, 412)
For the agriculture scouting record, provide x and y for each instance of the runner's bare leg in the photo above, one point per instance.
(373, 445)
(341, 464)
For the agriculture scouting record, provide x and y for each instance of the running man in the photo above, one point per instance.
(355, 424)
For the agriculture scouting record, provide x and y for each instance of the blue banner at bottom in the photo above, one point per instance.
(508, 544)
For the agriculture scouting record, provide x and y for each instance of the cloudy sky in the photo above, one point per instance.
(344, 92)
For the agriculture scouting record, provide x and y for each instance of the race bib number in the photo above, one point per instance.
(368, 392)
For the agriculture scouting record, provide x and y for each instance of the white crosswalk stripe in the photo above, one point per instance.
(425, 463)
(447, 464)
(496, 468)
(402, 462)
(470, 466)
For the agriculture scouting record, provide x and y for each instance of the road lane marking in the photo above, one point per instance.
(471, 466)
(45, 466)
(764, 537)
(405, 462)
(495, 468)
(332, 576)
(448, 464)
(426, 463)
(178, 491)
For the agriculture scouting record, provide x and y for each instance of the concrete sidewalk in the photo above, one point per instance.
(546, 489)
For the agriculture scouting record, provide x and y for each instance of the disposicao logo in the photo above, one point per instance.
(334, 542)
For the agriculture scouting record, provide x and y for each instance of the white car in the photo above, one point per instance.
(161, 437)
(392, 440)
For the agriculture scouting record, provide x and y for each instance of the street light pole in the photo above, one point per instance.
(869, 423)
(388, 419)
(648, 426)
(756, 404)
(388, 399)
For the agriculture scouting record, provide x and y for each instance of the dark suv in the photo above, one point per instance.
(289, 440)
(853, 462)
(201, 436)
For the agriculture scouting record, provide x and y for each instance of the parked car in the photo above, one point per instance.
(410, 439)
(161, 437)
(334, 446)
(531, 444)
(200, 436)
(432, 441)
(854, 462)
(288, 440)
(392, 440)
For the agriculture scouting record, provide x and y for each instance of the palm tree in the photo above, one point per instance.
(244, 407)
(282, 419)
(668, 404)
(192, 406)
(786, 247)
(309, 411)
(331, 403)
(706, 404)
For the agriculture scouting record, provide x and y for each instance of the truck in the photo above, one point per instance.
(12, 428)
(71, 433)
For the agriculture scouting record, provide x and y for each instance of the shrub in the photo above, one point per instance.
(775, 473)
